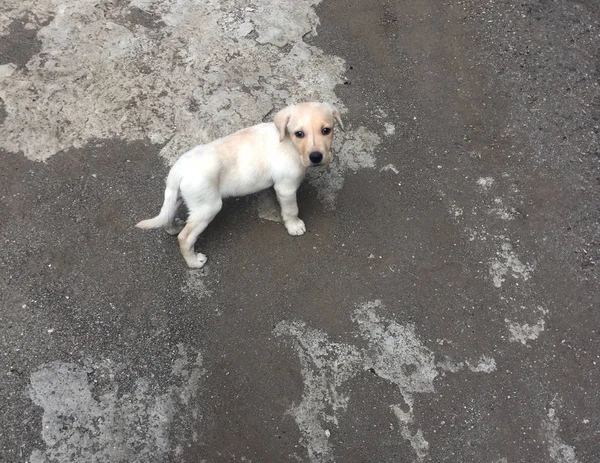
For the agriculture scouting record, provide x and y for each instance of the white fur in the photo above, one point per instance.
(243, 163)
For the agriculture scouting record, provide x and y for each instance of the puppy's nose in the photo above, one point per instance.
(315, 157)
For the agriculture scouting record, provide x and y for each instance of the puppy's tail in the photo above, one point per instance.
(170, 204)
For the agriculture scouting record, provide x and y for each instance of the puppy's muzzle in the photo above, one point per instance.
(315, 157)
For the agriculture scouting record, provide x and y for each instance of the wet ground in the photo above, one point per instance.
(443, 305)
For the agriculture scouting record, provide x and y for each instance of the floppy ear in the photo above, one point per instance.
(281, 120)
(337, 116)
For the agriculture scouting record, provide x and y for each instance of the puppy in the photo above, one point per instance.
(274, 154)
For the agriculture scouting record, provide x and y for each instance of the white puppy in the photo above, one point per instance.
(270, 154)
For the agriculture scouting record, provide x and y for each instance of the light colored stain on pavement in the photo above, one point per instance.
(418, 443)
(394, 352)
(196, 285)
(92, 421)
(390, 168)
(559, 451)
(390, 129)
(524, 332)
(499, 209)
(7, 70)
(326, 367)
(176, 72)
(485, 183)
(507, 264)
(456, 211)
(478, 228)
(485, 365)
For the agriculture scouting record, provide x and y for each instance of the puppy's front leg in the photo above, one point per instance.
(286, 194)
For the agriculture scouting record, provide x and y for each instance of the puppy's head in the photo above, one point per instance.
(310, 128)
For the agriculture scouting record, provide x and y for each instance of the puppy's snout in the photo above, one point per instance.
(315, 157)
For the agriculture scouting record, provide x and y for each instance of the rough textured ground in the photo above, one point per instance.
(444, 304)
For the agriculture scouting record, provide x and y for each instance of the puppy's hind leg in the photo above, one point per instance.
(175, 225)
(201, 214)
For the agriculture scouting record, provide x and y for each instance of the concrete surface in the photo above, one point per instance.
(444, 304)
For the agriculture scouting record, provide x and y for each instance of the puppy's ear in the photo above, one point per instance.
(338, 117)
(281, 120)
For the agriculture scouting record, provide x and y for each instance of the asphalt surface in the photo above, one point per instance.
(444, 305)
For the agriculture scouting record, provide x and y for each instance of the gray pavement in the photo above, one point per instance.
(443, 305)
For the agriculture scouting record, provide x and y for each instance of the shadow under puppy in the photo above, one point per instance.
(274, 154)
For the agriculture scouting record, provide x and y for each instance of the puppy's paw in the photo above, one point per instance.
(295, 227)
(198, 262)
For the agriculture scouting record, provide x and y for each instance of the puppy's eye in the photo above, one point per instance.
(299, 134)
(325, 130)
